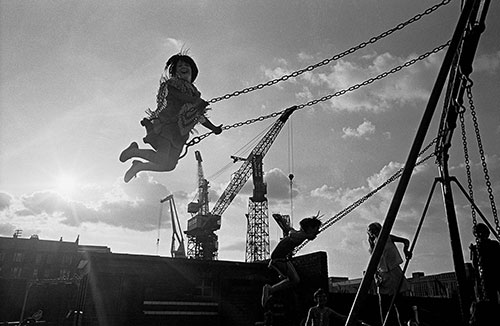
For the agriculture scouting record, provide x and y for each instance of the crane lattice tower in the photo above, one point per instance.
(257, 242)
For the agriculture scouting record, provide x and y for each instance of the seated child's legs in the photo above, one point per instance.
(168, 155)
(279, 265)
(285, 269)
(292, 273)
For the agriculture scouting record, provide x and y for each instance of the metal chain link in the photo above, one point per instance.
(351, 50)
(337, 217)
(481, 153)
(373, 79)
(467, 163)
(197, 139)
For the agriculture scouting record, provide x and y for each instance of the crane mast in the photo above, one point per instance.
(257, 244)
(180, 251)
(201, 206)
(202, 241)
(201, 228)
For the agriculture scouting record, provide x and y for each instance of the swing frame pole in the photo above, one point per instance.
(365, 285)
(464, 291)
(463, 69)
(414, 242)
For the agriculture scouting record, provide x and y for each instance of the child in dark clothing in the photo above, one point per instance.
(282, 254)
(179, 108)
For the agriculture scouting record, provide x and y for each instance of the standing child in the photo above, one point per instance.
(485, 254)
(282, 254)
(179, 108)
(321, 315)
(389, 274)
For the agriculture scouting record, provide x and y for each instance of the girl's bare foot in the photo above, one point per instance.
(128, 152)
(132, 172)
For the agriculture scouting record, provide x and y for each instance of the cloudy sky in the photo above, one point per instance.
(76, 77)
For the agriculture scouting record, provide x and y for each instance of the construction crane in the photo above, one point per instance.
(200, 207)
(177, 238)
(257, 241)
(202, 242)
(201, 228)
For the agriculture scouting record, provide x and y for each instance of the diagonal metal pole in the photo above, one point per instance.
(471, 201)
(469, 46)
(410, 163)
(414, 242)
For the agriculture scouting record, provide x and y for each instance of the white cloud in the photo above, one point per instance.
(5, 200)
(324, 191)
(135, 206)
(410, 85)
(174, 45)
(364, 129)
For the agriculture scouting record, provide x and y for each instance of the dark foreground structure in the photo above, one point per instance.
(119, 289)
(122, 289)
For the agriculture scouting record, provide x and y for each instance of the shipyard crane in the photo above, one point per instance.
(202, 242)
(177, 238)
(200, 207)
(201, 228)
(257, 241)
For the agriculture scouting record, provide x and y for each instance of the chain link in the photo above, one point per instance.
(481, 153)
(351, 50)
(467, 164)
(361, 200)
(197, 139)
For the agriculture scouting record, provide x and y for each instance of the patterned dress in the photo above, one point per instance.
(176, 112)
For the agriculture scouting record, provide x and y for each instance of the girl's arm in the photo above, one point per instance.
(406, 244)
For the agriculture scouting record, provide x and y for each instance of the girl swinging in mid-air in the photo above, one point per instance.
(179, 108)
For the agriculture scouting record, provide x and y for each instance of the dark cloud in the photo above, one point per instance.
(53, 204)
(278, 186)
(142, 213)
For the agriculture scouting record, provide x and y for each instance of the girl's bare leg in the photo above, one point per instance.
(163, 160)
(138, 166)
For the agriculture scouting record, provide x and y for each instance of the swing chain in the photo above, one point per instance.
(197, 139)
(373, 79)
(336, 57)
(481, 153)
(461, 112)
(337, 217)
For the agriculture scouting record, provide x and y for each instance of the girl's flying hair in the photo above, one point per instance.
(311, 222)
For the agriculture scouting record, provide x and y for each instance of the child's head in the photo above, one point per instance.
(320, 297)
(481, 231)
(374, 229)
(310, 224)
(177, 60)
